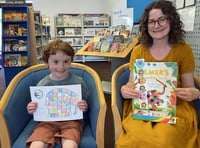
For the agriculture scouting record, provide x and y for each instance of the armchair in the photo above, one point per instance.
(119, 78)
(16, 124)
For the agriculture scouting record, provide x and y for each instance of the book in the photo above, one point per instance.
(77, 41)
(114, 47)
(60, 31)
(97, 46)
(12, 60)
(118, 38)
(77, 21)
(59, 20)
(110, 38)
(156, 82)
(67, 20)
(69, 31)
(77, 31)
(125, 33)
(105, 46)
(90, 46)
(122, 47)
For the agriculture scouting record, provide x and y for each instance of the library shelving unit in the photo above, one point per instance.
(78, 29)
(15, 40)
(42, 33)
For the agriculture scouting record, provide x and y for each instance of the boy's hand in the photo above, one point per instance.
(31, 107)
(82, 105)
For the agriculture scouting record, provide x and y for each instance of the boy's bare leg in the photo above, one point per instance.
(38, 144)
(66, 143)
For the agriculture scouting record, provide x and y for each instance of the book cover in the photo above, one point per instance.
(105, 46)
(90, 46)
(77, 31)
(156, 82)
(69, 31)
(12, 60)
(114, 47)
(77, 41)
(59, 20)
(122, 47)
(77, 21)
(110, 38)
(67, 20)
(97, 46)
(118, 38)
(125, 33)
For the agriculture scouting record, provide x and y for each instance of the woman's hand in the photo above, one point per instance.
(31, 107)
(187, 94)
(128, 92)
(82, 105)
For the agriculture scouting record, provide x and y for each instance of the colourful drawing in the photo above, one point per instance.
(156, 82)
(61, 102)
(56, 103)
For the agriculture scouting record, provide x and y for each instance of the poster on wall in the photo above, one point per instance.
(189, 2)
(123, 17)
(187, 12)
(179, 4)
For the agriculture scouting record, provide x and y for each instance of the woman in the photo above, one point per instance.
(162, 40)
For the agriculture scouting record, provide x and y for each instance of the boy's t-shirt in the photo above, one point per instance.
(69, 80)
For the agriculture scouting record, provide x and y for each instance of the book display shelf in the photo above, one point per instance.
(79, 29)
(42, 33)
(115, 42)
(15, 40)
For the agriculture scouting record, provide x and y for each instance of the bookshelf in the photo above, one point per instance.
(15, 40)
(79, 29)
(42, 33)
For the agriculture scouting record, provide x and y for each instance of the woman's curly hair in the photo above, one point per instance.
(176, 33)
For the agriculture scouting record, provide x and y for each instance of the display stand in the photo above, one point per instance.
(15, 40)
(83, 51)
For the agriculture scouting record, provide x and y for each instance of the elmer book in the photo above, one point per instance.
(156, 82)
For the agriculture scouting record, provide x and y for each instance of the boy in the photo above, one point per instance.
(58, 55)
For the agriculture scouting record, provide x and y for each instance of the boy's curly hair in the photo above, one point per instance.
(52, 47)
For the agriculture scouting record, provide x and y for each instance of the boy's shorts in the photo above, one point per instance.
(52, 132)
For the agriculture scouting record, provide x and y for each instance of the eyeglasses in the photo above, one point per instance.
(161, 21)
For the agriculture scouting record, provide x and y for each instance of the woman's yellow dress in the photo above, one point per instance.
(143, 134)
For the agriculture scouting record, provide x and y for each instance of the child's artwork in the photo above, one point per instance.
(156, 82)
(57, 103)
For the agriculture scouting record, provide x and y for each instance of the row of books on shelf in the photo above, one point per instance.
(15, 60)
(15, 16)
(15, 45)
(15, 30)
(77, 31)
(115, 40)
(74, 41)
(97, 22)
(69, 20)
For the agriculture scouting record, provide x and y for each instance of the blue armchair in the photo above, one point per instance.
(119, 78)
(16, 124)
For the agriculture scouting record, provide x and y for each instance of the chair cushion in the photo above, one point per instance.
(87, 140)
